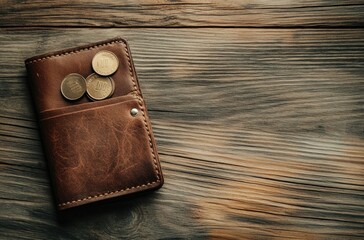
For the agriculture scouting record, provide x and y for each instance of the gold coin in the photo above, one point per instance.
(105, 63)
(99, 87)
(73, 86)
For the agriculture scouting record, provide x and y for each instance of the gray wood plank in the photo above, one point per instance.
(168, 13)
(260, 134)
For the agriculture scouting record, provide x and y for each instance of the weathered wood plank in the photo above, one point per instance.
(260, 132)
(236, 13)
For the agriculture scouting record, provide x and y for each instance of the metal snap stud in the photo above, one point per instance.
(134, 112)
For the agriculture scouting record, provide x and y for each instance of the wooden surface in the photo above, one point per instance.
(259, 120)
(172, 13)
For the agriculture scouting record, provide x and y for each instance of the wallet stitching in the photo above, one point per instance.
(143, 113)
(107, 193)
(77, 50)
(140, 102)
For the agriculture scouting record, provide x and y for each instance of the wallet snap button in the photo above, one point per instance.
(134, 112)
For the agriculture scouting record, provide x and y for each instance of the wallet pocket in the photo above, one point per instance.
(83, 107)
(100, 151)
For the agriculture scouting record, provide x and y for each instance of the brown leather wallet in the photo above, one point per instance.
(95, 150)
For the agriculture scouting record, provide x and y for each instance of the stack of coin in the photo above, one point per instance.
(98, 85)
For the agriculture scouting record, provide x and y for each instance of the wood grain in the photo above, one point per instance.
(260, 134)
(168, 13)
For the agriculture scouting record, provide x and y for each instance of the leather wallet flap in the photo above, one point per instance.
(99, 152)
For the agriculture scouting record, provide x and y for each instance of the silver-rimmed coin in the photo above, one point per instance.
(99, 87)
(73, 86)
(105, 63)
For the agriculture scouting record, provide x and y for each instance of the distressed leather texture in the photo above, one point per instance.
(95, 150)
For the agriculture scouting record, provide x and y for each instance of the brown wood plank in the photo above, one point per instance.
(235, 13)
(260, 133)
